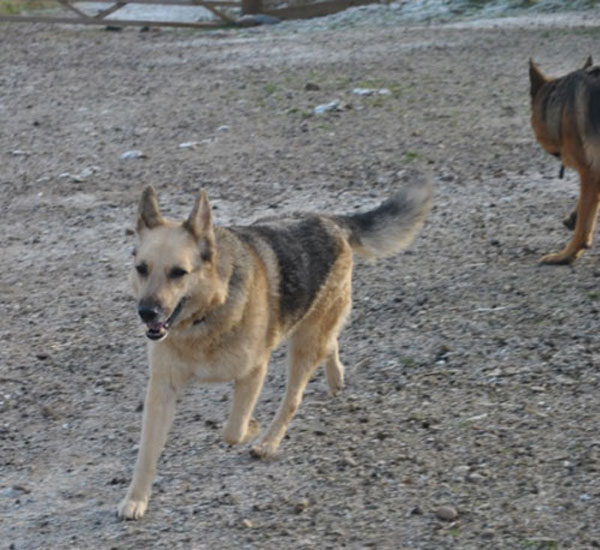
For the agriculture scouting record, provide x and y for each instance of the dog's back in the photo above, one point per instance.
(566, 114)
(300, 251)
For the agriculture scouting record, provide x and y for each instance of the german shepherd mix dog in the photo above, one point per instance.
(565, 115)
(216, 301)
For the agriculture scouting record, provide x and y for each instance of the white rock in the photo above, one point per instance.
(326, 107)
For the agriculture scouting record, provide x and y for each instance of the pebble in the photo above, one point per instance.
(247, 523)
(327, 107)
(301, 505)
(446, 513)
(370, 91)
(133, 154)
(188, 145)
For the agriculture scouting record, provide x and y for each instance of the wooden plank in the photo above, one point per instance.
(251, 7)
(318, 9)
(69, 6)
(218, 13)
(111, 22)
(105, 13)
(168, 2)
(100, 17)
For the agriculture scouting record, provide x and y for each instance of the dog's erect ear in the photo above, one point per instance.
(148, 213)
(588, 62)
(536, 78)
(200, 225)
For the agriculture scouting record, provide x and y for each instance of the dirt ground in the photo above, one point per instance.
(473, 374)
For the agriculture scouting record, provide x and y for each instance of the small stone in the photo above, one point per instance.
(133, 154)
(301, 505)
(416, 511)
(362, 91)
(312, 87)
(188, 145)
(474, 477)
(327, 107)
(446, 513)
(247, 523)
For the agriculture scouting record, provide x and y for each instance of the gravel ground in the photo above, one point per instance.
(471, 413)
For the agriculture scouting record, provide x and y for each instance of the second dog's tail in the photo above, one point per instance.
(391, 226)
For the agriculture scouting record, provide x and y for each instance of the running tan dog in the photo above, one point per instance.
(217, 301)
(565, 116)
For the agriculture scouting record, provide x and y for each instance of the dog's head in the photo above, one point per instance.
(174, 276)
(537, 79)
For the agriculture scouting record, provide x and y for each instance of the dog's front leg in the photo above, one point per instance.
(159, 409)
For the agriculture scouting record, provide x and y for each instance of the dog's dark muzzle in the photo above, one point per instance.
(150, 313)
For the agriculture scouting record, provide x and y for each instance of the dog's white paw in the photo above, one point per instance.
(264, 449)
(132, 509)
(234, 436)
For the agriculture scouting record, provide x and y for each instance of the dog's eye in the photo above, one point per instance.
(142, 269)
(177, 273)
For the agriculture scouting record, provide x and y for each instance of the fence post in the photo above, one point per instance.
(251, 7)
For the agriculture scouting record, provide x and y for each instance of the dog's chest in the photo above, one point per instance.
(223, 364)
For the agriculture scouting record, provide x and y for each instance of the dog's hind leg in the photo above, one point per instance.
(587, 213)
(241, 427)
(304, 359)
(334, 370)
(312, 341)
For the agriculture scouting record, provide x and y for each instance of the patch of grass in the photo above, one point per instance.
(16, 7)
(408, 362)
(454, 531)
(410, 156)
(540, 544)
(586, 31)
(594, 295)
(302, 113)
(270, 88)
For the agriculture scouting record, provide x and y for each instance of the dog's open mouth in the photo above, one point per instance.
(158, 330)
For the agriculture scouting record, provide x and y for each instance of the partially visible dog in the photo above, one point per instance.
(216, 301)
(565, 115)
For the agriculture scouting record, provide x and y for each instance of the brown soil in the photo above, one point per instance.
(473, 375)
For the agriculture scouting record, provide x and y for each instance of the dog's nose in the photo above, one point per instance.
(148, 313)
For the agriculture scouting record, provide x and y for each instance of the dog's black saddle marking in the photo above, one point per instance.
(305, 251)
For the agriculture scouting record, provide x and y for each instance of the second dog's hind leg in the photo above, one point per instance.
(587, 212)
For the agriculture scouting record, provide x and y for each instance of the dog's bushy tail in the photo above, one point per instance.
(393, 225)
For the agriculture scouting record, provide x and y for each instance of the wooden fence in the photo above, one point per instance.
(220, 9)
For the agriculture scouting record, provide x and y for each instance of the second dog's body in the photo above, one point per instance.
(565, 116)
(216, 302)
